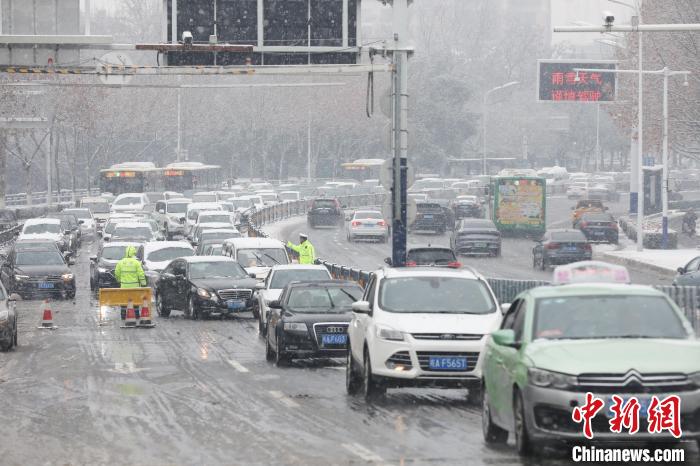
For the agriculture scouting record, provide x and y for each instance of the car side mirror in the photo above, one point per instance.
(505, 337)
(388, 261)
(183, 219)
(17, 233)
(275, 304)
(106, 238)
(680, 270)
(252, 275)
(348, 218)
(161, 211)
(72, 260)
(361, 307)
(505, 307)
(80, 222)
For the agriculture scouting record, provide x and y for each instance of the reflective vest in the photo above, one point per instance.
(129, 273)
(306, 251)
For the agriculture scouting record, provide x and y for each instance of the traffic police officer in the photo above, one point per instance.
(129, 272)
(306, 251)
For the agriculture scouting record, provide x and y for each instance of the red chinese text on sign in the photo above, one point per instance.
(665, 415)
(586, 413)
(624, 415)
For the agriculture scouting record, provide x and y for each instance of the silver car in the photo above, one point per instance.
(367, 225)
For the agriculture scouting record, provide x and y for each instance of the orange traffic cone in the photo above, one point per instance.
(130, 321)
(145, 317)
(47, 319)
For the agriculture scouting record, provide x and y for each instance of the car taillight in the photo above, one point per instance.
(356, 223)
(552, 246)
(587, 247)
(583, 224)
(410, 263)
(454, 265)
(381, 223)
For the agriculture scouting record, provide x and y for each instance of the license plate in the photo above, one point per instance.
(428, 217)
(46, 286)
(644, 402)
(235, 304)
(368, 225)
(570, 249)
(479, 245)
(334, 339)
(448, 363)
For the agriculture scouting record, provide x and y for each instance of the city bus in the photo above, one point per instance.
(362, 169)
(130, 177)
(519, 205)
(189, 177)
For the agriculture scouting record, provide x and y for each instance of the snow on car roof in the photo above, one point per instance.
(151, 246)
(42, 221)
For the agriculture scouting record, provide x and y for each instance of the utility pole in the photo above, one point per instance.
(308, 146)
(400, 49)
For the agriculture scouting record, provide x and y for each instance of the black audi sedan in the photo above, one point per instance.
(205, 286)
(310, 320)
(37, 272)
(102, 264)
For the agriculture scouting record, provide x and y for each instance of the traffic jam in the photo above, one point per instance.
(588, 360)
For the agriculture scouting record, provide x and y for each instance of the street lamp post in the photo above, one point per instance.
(666, 73)
(483, 121)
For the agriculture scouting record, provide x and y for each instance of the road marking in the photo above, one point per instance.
(238, 366)
(363, 452)
(284, 399)
(127, 368)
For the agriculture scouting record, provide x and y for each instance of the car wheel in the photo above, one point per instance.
(523, 443)
(353, 382)
(256, 310)
(373, 388)
(534, 262)
(7, 345)
(262, 329)
(269, 354)
(543, 263)
(281, 358)
(16, 337)
(92, 283)
(70, 295)
(492, 433)
(474, 396)
(161, 308)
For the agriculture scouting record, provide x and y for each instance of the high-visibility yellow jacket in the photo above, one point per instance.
(306, 251)
(129, 272)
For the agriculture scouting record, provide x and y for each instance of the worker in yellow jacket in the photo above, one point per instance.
(129, 272)
(306, 251)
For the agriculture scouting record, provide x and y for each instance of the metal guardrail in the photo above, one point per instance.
(38, 198)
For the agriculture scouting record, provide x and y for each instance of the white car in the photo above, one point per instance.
(193, 210)
(89, 226)
(129, 202)
(170, 215)
(577, 190)
(256, 255)
(268, 197)
(277, 279)
(420, 327)
(158, 254)
(368, 225)
(44, 228)
(208, 196)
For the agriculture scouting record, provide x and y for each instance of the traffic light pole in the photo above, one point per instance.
(400, 132)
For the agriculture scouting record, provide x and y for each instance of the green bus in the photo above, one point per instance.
(519, 206)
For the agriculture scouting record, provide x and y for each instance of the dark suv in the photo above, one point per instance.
(324, 212)
(430, 218)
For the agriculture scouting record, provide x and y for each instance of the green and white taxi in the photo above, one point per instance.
(558, 343)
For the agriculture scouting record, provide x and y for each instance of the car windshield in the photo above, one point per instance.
(568, 236)
(109, 228)
(143, 232)
(242, 203)
(214, 218)
(431, 256)
(39, 228)
(614, 316)
(323, 299)
(113, 253)
(264, 257)
(96, 207)
(43, 257)
(218, 269)
(177, 208)
(213, 250)
(204, 198)
(83, 214)
(168, 254)
(214, 235)
(324, 204)
(435, 295)
(367, 215)
(130, 200)
(281, 278)
(155, 197)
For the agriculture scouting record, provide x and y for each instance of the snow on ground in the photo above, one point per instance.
(666, 259)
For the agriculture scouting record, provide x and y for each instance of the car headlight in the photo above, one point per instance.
(67, 277)
(386, 333)
(202, 293)
(543, 378)
(295, 326)
(101, 270)
(695, 378)
(21, 277)
(4, 316)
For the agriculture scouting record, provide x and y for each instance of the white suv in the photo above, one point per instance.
(420, 327)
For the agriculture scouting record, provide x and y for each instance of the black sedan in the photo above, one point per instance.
(324, 212)
(476, 237)
(467, 208)
(37, 272)
(102, 265)
(8, 321)
(559, 247)
(430, 217)
(599, 226)
(310, 320)
(205, 286)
